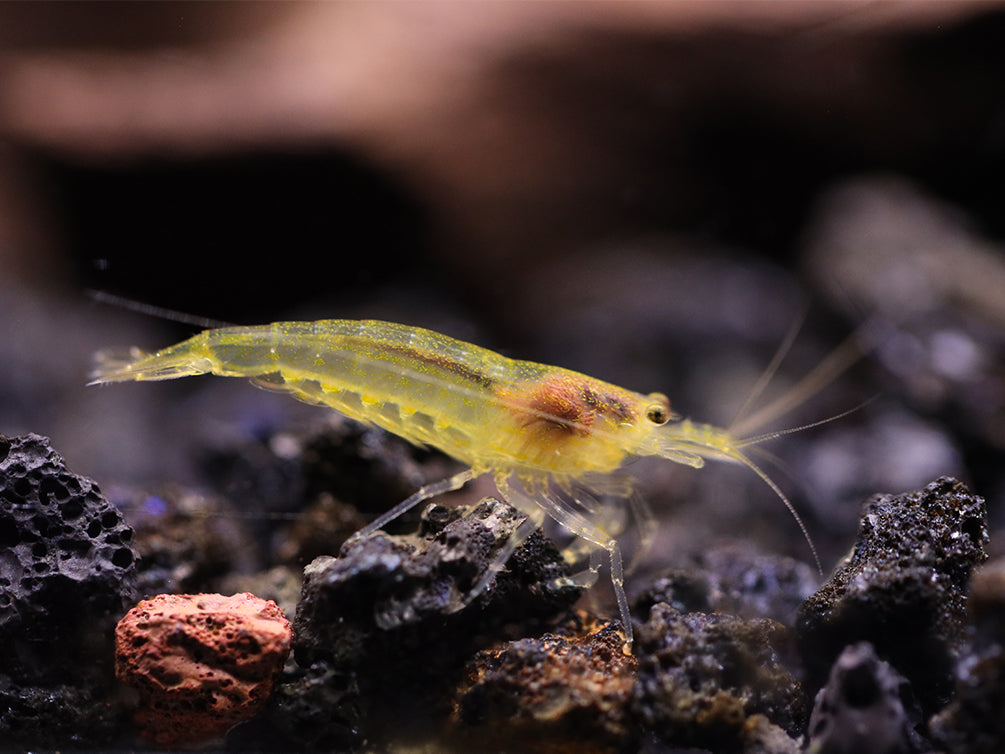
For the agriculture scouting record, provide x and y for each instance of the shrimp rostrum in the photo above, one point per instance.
(553, 441)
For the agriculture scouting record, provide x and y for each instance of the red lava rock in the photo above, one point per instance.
(201, 662)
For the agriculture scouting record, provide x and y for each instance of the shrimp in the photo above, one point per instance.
(553, 441)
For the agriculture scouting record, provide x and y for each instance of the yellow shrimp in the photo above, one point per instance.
(539, 431)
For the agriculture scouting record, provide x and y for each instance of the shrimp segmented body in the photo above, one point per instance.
(537, 430)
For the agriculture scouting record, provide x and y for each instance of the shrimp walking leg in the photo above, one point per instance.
(423, 493)
(618, 580)
(572, 520)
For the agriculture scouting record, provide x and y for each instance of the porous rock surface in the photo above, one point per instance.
(67, 565)
(384, 583)
(733, 578)
(379, 635)
(713, 680)
(201, 662)
(67, 573)
(903, 588)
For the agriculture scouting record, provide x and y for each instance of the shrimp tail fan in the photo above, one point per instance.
(132, 364)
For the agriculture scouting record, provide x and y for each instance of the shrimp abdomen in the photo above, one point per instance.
(426, 387)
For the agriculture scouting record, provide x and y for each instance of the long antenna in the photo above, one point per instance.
(151, 310)
(829, 369)
(769, 372)
(788, 504)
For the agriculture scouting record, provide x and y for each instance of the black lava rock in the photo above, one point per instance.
(737, 579)
(866, 706)
(311, 709)
(903, 588)
(67, 564)
(382, 583)
(58, 716)
(67, 574)
(187, 540)
(702, 677)
(303, 490)
(973, 721)
(386, 614)
(287, 470)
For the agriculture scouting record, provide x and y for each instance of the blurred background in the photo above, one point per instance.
(653, 193)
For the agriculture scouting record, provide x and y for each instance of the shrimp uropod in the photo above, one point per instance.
(552, 440)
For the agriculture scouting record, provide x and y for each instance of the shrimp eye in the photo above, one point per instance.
(657, 413)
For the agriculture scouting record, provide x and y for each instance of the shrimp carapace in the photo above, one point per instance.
(553, 440)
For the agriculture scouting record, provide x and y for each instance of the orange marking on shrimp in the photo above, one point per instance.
(555, 405)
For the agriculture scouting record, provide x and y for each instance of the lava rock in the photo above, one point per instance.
(537, 694)
(67, 573)
(321, 528)
(187, 540)
(383, 583)
(289, 470)
(201, 662)
(903, 588)
(736, 579)
(973, 723)
(67, 565)
(385, 614)
(303, 490)
(58, 716)
(702, 677)
(311, 709)
(862, 708)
